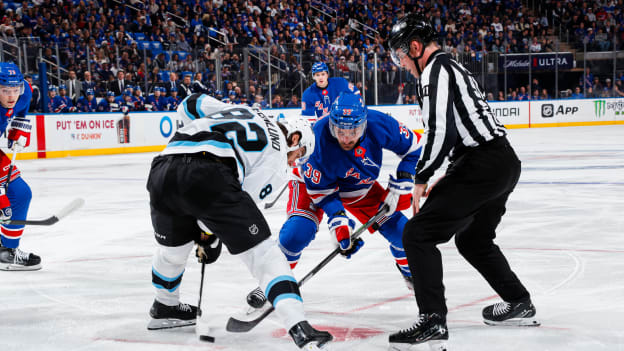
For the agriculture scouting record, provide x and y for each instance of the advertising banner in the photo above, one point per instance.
(577, 112)
(538, 61)
(80, 134)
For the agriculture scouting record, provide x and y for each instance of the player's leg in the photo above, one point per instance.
(296, 233)
(237, 221)
(11, 256)
(174, 230)
(302, 224)
(390, 227)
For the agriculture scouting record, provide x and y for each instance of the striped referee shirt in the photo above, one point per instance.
(455, 113)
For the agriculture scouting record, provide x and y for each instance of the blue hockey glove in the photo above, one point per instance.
(341, 227)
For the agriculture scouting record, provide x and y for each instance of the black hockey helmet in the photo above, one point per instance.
(409, 27)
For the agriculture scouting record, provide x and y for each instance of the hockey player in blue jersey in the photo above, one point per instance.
(62, 102)
(342, 173)
(156, 102)
(317, 98)
(15, 95)
(137, 99)
(87, 103)
(108, 104)
(174, 100)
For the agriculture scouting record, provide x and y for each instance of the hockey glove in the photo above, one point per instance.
(5, 207)
(399, 194)
(19, 133)
(208, 248)
(341, 227)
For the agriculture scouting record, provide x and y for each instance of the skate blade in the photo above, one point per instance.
(314, 347)
(168, 323)
(19, 267)
(515, 322)
(434, 345)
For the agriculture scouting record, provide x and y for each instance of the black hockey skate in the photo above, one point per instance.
(308, 338)
(429, 328)
(256, 298)
(511, 314)
(18, 260)
(164, 317)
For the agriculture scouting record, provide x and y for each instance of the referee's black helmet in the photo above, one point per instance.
(407, 28)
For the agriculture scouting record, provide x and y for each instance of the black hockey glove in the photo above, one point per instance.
(355, 247)
(208, 248)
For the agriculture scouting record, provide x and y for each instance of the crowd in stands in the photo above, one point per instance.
(154, 53)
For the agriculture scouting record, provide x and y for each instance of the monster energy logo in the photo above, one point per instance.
(600, 108)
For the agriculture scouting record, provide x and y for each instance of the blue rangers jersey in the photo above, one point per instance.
(251, 139)
(332, 174)
(316, 102)
(84, 105)
(20, 109)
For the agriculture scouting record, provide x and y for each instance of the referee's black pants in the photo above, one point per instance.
(468, 203)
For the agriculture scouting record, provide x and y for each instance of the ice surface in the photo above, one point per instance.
(563, 235)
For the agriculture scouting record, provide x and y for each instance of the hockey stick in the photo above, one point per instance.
(202, 337)
(270, 204)
(6, 186)
(71, 207)
(238, 326)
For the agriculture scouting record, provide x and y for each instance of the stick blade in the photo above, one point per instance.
(71, 207)
(237, 326)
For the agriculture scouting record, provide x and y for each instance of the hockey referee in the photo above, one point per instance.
(469, 200)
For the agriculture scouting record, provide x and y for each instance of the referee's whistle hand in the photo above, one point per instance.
(419, 191)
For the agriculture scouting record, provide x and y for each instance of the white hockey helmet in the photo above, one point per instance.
(301, 125)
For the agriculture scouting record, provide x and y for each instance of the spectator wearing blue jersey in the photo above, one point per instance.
(15, 194)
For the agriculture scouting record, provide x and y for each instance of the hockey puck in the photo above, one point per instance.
(207, 338)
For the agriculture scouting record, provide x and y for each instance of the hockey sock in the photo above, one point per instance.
(167, 270)
(267, 264)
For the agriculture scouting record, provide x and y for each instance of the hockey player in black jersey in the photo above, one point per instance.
(210, 176)
(469, 200)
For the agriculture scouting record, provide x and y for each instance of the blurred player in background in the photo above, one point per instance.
(318, 97)
(15, 95)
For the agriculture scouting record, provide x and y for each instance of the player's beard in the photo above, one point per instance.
(347, 146)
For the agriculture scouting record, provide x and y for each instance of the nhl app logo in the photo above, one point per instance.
(548, 110)
(253, 229)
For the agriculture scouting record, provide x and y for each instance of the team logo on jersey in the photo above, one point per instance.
(324, 92)
(253, 229)
(366, 181)
(360, 153)
(352, 173)
(9, 112)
